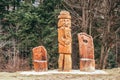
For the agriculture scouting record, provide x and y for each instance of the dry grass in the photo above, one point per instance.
(114, 74)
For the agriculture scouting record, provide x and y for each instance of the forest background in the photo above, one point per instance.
(25, 24)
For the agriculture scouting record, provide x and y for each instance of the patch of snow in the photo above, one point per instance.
(60, 72)
(39, 61)
(85, 59)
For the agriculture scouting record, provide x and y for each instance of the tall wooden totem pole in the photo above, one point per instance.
(86, 49)
(64, 41)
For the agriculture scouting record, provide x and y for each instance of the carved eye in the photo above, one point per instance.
(85, 41)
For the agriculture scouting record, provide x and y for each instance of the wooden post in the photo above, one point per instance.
(40, 58)
(64, 39)
(86, 49)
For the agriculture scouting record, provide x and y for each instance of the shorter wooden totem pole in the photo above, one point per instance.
(40, 58)
(64, 41)
(86, 52)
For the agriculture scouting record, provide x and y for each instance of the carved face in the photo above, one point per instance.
(64, 23)
(85, 39)
(86, 46)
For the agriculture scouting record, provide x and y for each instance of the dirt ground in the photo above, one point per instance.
(113, 74)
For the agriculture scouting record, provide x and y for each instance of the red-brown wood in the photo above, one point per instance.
(87, 65)
(40, 66)
(86, 52)
(40, 58)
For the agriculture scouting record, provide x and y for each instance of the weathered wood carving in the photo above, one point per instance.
(86, 52)
(64, 41)
(40, 58)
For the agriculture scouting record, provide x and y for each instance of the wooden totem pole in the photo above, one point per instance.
(40, 59)
(86, 52)
(64, 41)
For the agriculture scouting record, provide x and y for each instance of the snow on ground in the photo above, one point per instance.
(59, 72)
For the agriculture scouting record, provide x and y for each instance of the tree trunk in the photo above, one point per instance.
(90, 28)
(14, 52)
(105, 58)
(83, 17)
(116, 48)
(101, 56)
(107, 49)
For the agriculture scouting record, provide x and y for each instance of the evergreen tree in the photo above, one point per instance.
(30, 26)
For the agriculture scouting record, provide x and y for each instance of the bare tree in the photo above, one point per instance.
(86, 12)
(83, 13)
(108, 37)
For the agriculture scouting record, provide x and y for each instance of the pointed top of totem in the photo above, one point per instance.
(64, 15)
